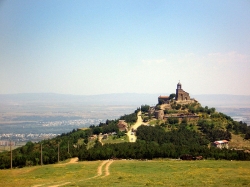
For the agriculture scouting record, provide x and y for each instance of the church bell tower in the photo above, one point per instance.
(179, 86)
(181, 95)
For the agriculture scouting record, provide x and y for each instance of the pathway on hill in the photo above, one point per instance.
(100, 138)
(139, 122)
(72, 161)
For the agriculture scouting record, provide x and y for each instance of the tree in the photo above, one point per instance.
(247, 136)
(172, 120)
(161, 101)
(172, 96)
(178, 106)
(145, 108)
(97, 130)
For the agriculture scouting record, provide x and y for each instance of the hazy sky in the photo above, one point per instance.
(137, 46)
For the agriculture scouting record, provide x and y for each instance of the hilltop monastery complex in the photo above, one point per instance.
(181, 97)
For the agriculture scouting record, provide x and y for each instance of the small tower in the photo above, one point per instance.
(179, 86)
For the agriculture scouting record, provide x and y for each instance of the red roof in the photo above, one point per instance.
(164, 97)
(220, 141)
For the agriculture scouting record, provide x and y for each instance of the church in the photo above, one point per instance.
(181, 95)
(182, 98)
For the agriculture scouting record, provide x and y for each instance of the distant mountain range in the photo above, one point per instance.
(211, 100)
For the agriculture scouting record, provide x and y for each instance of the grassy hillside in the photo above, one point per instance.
(214, 125)
(131, 173)
(239, 142)
(188, 128)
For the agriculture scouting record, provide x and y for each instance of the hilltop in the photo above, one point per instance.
(177, 125)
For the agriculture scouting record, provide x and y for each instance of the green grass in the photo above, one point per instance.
(133, 173)
(110, 139)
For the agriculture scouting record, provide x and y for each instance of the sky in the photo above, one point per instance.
(126, 46)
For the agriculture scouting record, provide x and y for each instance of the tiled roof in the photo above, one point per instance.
(164, 97)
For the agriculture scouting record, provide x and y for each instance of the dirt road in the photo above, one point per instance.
(100, 173)
(139, 122)
(100, 169)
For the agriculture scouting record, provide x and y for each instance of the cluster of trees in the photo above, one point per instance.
(232, 126)
(149, 150)
(145, 108)
(179, 137)
(172, 120)
(196, 108)
(30, 154)
(175, 106)
(212, 132)
(108, 127)
(138, 150)
(130, 118)
(154, 142)
(239, 127)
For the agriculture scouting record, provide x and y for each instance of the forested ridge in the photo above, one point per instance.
(163, 139)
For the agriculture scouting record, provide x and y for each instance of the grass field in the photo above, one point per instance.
(116, 140)
(131, 173)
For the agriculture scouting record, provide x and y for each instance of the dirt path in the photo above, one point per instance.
(60, 184)
(73, 160)
(99, 170)
(100, 138)
(107, 169)
(105, 163)
(139, 122)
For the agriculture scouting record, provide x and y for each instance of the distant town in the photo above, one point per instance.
(41, 130)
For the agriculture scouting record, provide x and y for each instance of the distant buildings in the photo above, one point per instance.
(122, 125)
(7, 143)
(163, 99)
